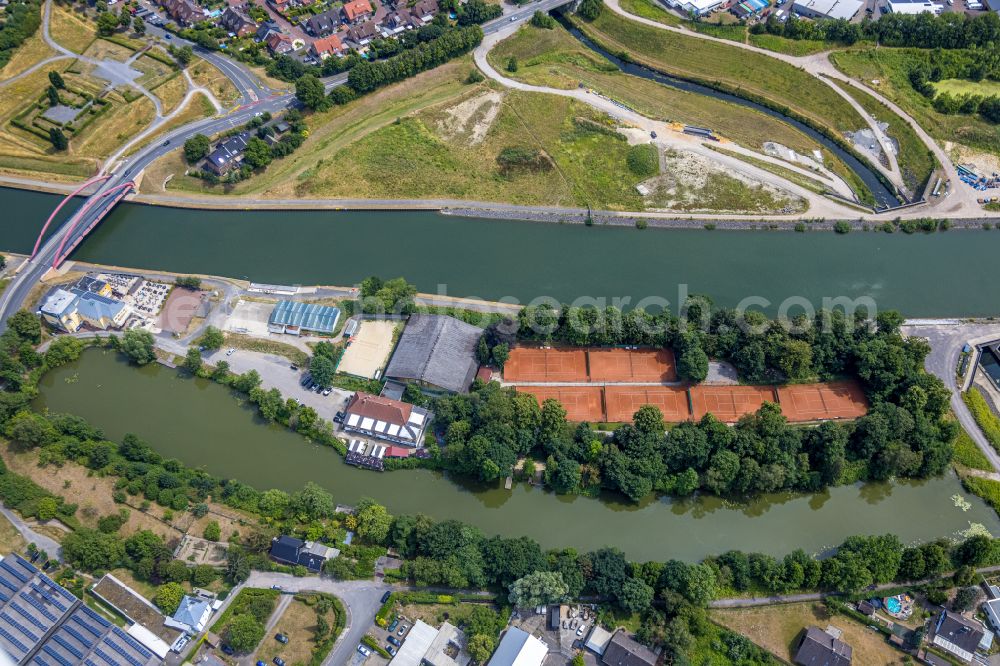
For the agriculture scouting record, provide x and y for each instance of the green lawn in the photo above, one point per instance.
(554, 58)
(915, 160)
(650, 10)
(985, 87)
(968, 454)
(746, 73)
(890, 68)
(984, 416)
(795, 47)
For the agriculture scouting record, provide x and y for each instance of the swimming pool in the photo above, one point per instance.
(892, 605)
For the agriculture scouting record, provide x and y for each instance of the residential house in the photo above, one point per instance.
(519, 648)
(279, 44)
(184, 12)
(265, 30)
(323, 48)
(821, 648)
(323, 24)
(296, 552)
(355, 11)
(957, 635)
(363, 33)
(386, 419)
(623, 650)
(192, 615)
(425, 10)
(236, 22)
(280, 5)
(227, 154)
(398, 21)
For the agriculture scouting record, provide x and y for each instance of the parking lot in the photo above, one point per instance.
(250, 318)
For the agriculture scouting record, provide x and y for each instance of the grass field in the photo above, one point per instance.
(210, 78)
(298, 622)
(33, 50)
(984, 416)
(795, 47)
(741, 71)
(777, 628)
(890, 67)
(171, 92)
(916, 162)
(985, 87)
(554, 58)
(648, 9)
(198, 107)
(10, 539)
(968, 454)
(71, 30)
(102, 137)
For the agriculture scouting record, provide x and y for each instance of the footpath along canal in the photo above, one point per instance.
(945, 274)
(204, 425)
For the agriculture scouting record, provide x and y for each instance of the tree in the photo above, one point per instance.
(965, 599)
(537, 589)
(137, 345)
(212, 531)
(311, 92)
(590, 9)
(203, 575)
(480, 647)
(212, 338)
(692, 364)
(257, 153)
(139, 26)
(91, 550)
(196, 148)
(183, 54)
(511, 65)
(107, 24)
(56, 79)
(26, 325)
(542, 20)
(168, 597)
(53, 95)
(192, 360)
(374, 521)
(58, 138)
(245, 632)
(32, 429)
(322, 370)
(635, 596)
(47, 508)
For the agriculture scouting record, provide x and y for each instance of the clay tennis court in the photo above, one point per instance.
(729, 403)
(632, 365)
(624, 401)
(582, 403)
(526, 364)
(813, 402)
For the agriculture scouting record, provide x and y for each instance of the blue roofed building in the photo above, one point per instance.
(70, 309)
(43, 624)
(297, 318)
(192, 615)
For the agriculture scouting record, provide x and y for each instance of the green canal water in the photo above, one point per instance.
(204, 425)
(943, 274)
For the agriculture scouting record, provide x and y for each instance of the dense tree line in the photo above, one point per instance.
(21, 20)
(972, 64)
(904, 434)
(948, 30)
(367, 76)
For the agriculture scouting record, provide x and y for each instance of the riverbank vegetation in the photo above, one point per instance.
(888, 71)
(984, 416)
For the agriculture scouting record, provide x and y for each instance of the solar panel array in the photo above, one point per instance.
(41, 623)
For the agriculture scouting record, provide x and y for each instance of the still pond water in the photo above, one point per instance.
(205, 425)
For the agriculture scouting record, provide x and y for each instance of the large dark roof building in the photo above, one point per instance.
(324, 23)
(818, 648)
(309, 554)
(438, 351)
(625, 651)
(41, 623)
(227, 153)
(957, 635)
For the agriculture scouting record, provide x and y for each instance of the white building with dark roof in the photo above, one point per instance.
(386, 419)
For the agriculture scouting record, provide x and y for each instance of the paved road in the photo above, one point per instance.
(946, 340)
(50, 546)
(361, 598)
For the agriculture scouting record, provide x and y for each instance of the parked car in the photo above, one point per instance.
(339, 418)
(306, 379)
(394, 641)
(402, 630)
(281, 638)
(261, 663)
(365, 651)
(391, 650)
(228, 650)
(279, 589)
(579, 632)
(231, 350)
(327, 391)
(278, 661)
(385, 597)
(395, 623)
(179, 645)
(294, 367)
